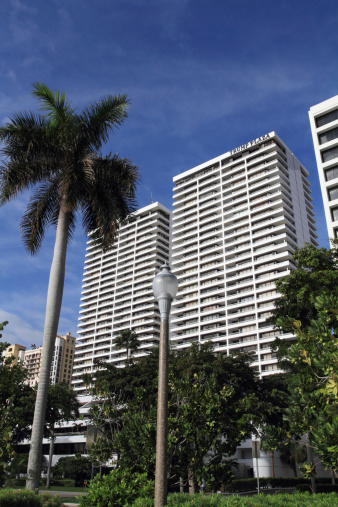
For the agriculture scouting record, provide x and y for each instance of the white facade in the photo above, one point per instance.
(324, 127)
(117, 291)
(237, 220)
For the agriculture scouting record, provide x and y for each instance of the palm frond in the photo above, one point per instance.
(22, 123)
(58, 108)
(111, 200)
(101, 117)
(42, 210)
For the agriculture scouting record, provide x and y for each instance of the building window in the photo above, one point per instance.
(330, 154)
(333, 193)
(334, 213)
(328, 136)
(331, 174)
(335, 232)
(327, 118)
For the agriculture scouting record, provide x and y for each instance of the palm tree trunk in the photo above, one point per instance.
(50, 458)
(53, 308)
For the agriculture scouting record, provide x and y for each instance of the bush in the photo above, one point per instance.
(119, 487)
(50, 501)
(278, 500)
(321, 488)
(239, 485)
(10, 498)
(15, 483)
(67, 483)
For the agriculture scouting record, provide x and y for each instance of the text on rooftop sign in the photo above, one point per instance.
(251, 143)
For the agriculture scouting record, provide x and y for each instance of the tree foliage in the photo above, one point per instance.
(74, 467)
(315, 274)
(308, 308)
(16, 402)
(313, 357)
(127, 339)
(213, 401)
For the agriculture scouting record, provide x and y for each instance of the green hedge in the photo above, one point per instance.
(15, 483)
(278, 500)
(10, 498)
(240, 485)
(321, 488)
(68, 483)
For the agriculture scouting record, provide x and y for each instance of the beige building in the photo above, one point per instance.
(17, 352)
(62, 363)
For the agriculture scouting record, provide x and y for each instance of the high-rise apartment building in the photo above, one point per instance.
(237, 220)
(324, 127)
(62, 363)
(117, 291)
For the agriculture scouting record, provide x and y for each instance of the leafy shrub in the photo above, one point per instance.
(67, 483)
(119, 487)
(239, 485)
(279, 500)
(50, 501)
(321, 488)
(10, 498)
(15, 483)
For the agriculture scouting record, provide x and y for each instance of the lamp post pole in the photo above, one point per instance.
(165, 287)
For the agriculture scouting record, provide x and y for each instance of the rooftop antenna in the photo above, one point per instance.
(151, 197)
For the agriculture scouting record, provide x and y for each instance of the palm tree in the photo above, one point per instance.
(57, 154)
(127, 339)
(87, 379)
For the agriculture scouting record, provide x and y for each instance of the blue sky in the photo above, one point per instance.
(203, 77)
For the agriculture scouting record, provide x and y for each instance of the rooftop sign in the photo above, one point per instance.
(251, 143)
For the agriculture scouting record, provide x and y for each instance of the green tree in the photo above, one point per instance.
(273, 429)
(293, 454)
(315, 274)
(127, 339)
(57, 154)
(62, 405)
(16, 402)
(212, 403)
(74, 467)
(313, 369)
(87, 379)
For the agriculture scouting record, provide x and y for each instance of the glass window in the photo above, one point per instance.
(335, 233)
(330, 154)
(332, 173)
(327, 118)
(334, 213)
(333, 193)
(328, 136)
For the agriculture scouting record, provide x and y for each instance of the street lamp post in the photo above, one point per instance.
(165, 287)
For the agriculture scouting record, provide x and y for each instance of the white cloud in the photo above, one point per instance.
(19, 330)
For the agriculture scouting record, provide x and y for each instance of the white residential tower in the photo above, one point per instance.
(117, 291)
(324, 127)
(237, 220)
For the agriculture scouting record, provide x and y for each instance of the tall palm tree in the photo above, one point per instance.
(127, 339)
(57, 154)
